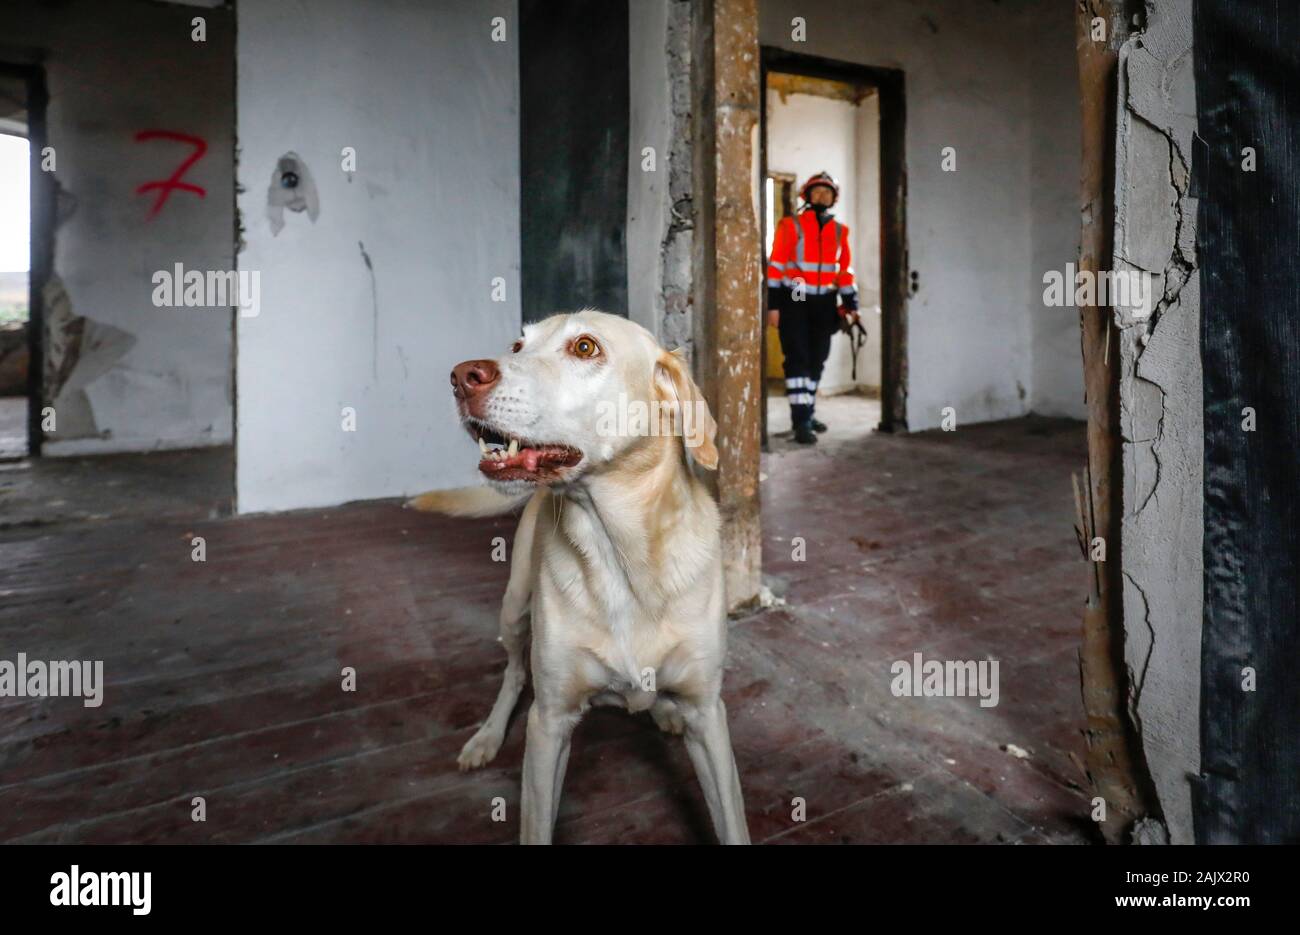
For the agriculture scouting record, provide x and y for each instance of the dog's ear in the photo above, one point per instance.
(699, 430)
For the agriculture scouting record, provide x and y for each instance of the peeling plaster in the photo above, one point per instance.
(79, 351)
(1161, 406)
(676, 327)
(660, 216)
(291, 187)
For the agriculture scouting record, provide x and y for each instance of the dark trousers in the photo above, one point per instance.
(806, 329)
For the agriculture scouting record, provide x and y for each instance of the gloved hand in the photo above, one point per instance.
(849, 304)
(777, 297)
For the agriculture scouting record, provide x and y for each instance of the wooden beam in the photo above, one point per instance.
(1114, 762)
(785, 85)
(728, 252)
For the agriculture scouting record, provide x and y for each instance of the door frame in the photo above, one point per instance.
(894, 271)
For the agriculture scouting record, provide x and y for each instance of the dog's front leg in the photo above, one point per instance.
(709, 744)
(546, 756)
(483, 746)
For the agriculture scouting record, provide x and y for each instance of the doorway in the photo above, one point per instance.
(129, 391)
(816, 115)
(20, 264)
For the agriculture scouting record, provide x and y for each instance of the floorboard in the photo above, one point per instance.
(224, 677)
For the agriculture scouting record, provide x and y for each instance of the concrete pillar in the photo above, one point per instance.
(1161, 405)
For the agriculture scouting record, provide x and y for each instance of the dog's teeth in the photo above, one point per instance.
(482, 445)
(513, 449)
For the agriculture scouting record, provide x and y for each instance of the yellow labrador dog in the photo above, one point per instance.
(617, 554)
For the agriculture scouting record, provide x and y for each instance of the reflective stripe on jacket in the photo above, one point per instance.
(816, 254)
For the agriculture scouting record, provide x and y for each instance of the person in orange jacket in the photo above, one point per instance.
(810, 290)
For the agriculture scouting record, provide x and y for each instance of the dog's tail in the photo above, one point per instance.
(467, 501)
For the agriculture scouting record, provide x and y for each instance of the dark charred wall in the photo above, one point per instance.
(573, 83)
(1247, 175)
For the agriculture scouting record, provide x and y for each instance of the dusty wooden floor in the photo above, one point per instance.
(223, 677)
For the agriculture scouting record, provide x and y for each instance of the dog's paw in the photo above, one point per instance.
(479, 750)
(668, 716)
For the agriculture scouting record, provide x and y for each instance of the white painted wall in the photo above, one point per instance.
(807, 134)
(431, 105)
(970, 81)
(114, 68)
(1055, 165)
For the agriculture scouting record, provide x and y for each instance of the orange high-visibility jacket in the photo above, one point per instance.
(818, 255)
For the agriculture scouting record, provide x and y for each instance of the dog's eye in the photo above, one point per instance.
(585, 346)
(517, 346)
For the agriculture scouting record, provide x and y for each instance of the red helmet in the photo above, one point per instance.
(821, 178)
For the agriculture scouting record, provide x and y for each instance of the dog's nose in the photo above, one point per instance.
(472, 377)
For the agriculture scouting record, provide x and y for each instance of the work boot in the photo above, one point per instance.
(818, 426)
(803, 434)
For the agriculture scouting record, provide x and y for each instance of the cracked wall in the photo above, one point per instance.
(1160, 404)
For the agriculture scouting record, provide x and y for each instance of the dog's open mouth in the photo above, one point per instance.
(508, 459)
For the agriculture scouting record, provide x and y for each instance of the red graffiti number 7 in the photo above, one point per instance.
(172, 183)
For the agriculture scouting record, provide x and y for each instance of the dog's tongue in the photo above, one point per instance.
(527, 458)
